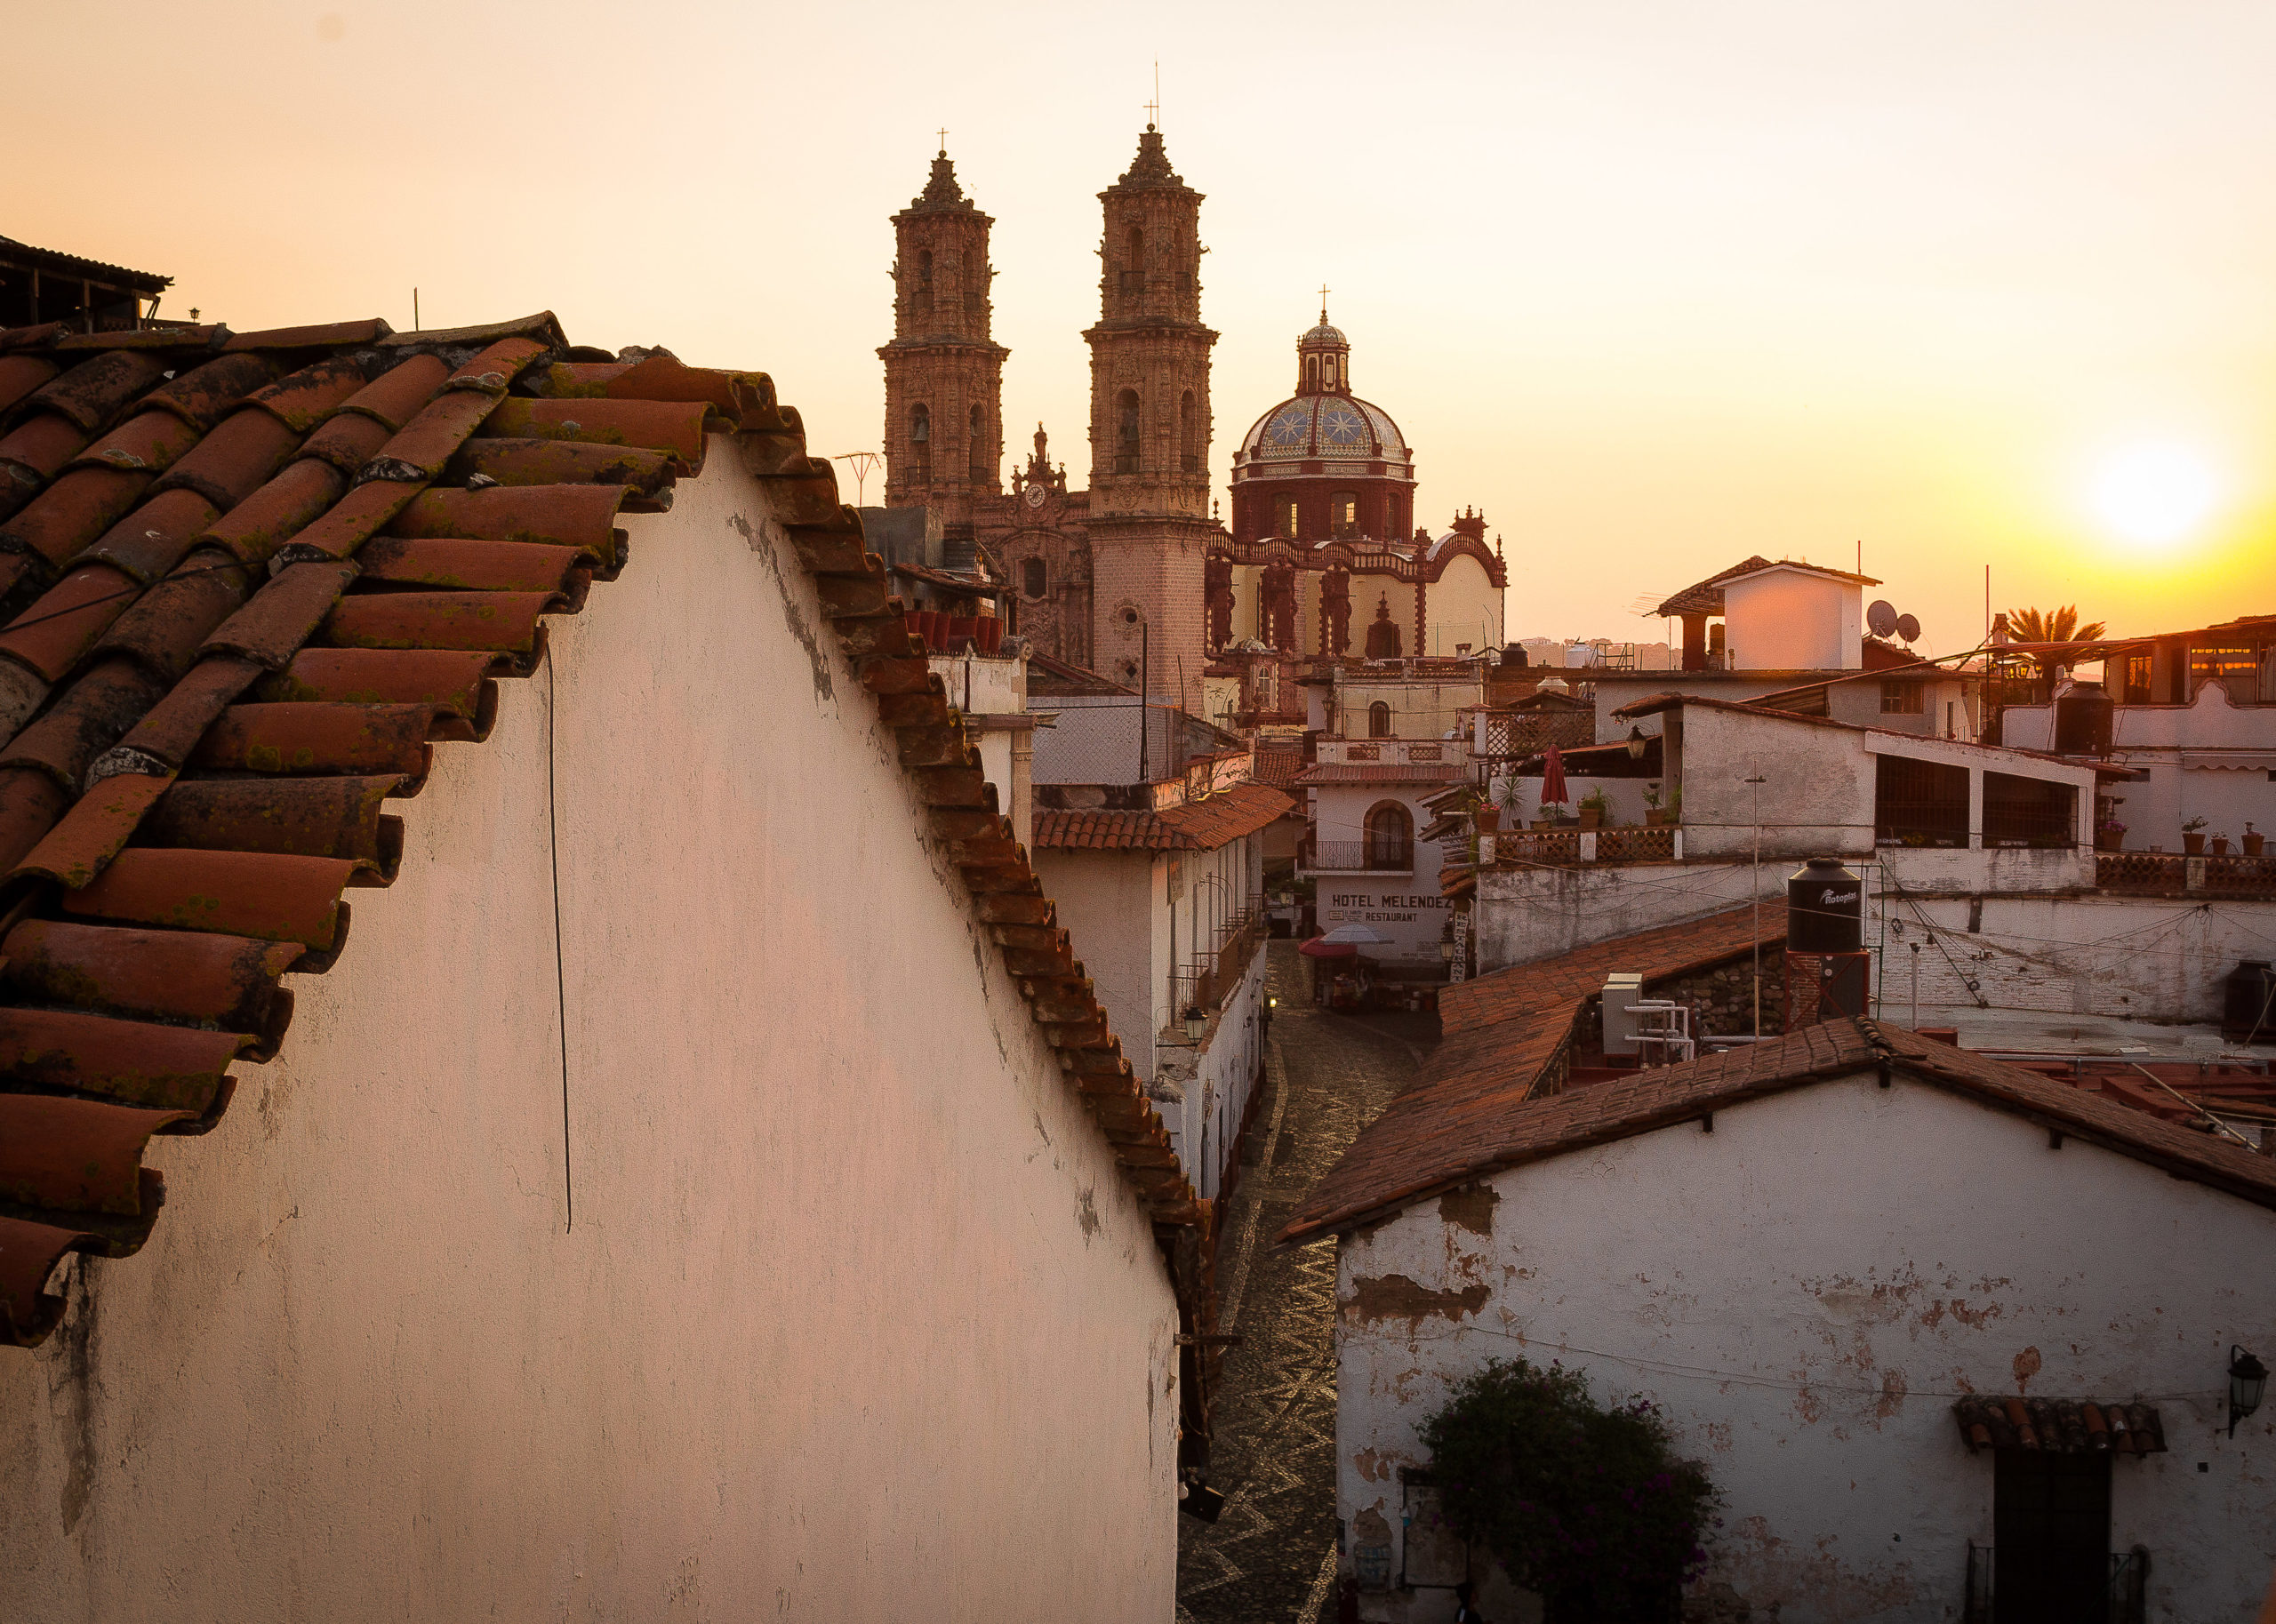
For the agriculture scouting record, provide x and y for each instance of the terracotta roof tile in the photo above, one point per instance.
(1199, 825)
(1437, 1135)
(1505, 1032)
(1380, 772)
(216, 752)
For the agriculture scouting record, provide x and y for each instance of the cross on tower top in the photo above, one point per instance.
(1323, 304)
(1153, 109)
(944, 143)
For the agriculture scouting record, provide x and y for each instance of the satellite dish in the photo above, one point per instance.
(1908, 628)
(1881, 617)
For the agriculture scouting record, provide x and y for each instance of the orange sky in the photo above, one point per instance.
(1655, 285)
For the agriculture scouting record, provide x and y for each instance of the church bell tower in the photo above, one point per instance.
(944, 375)
(1150, 432)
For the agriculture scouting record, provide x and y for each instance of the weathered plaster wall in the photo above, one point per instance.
(2149, 958)
(1522, 915)
(1805, 1291)
(855, 1319)
(1114, 905)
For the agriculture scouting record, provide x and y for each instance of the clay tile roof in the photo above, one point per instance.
(245, 585)
(1278, 764)
(1505, 1034)
(1198, 826)
(1450, 1131)
(1380, 772)
(1706, 596)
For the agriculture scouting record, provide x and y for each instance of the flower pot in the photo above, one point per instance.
(2254, 843)
(2193, 845)
(1591, 817)
(2106, 841)
(1543, 823)
(1655, 819)
(2220, 846)
(1489, 820)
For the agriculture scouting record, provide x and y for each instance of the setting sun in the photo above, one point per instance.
(2155, 494)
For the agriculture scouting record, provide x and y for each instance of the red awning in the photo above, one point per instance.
(1320, 947)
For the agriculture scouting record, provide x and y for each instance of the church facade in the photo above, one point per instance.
(1133, 577)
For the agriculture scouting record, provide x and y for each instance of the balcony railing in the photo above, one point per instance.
(1567, 848)
(1360, 857)
(1214, 976)
(2172, 871)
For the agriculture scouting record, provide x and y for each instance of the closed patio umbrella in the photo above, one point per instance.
(1552, 778)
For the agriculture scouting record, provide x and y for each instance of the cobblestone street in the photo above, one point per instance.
(1270, 1557)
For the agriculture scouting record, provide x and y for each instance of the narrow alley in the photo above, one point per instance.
(1270, 1557)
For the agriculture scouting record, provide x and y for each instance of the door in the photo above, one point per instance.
(2050, 1529)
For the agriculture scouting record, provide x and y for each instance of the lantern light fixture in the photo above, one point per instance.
(1637, 743)
(1196, 1023)
(2248, 1385)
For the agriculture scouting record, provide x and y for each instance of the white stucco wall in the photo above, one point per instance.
(1522, 915)
(1805, 1291)
(1787, 619)
(2209, 759)
(855, 1320)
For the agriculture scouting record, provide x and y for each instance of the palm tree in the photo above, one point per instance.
(2051, 626)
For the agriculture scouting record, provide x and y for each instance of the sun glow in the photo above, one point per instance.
(2155, 494)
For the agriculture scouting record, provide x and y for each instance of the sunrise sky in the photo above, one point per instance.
(1655, 285)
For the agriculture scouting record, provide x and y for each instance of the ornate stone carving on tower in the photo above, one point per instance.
(1150, 526)
(944, 375)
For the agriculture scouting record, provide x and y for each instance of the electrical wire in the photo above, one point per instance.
(23, 623)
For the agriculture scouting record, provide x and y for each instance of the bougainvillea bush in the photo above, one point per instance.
(1586, 1505)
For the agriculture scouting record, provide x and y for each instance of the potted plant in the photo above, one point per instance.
(2220, 846)
(1596, 808)
(2110, 836)
(1653, 816)
(2192, 836)
(1485, 817)
(2253, 843)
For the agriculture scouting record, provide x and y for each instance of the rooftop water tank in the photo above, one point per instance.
(1826, 908)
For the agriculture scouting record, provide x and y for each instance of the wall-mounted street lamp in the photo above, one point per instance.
(1196, 1023)
(1637, 744)
(2248, 1384)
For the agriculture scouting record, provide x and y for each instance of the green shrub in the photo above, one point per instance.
(1586, 1506)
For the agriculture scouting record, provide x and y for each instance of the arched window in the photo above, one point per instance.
(1125, 433)
(1311, 374)
(1032, 579)
(1327, 372)
(979, 468)
(1343, 514)
(1379, 720)
(1394, 524)
(1391, 837)
(924, 279)
(920, 440)
(1285, 521)
(1189, 433)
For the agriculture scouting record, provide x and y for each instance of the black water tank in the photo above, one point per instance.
(2082, 721)
(1826, 908)
(2248, 1013)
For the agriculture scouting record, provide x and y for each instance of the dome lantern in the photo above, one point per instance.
(1323, 358)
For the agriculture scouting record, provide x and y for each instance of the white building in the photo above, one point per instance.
(1160, 882)
(703, 1182)
(1844, 1264)
(2192, 719)
(1923, 816)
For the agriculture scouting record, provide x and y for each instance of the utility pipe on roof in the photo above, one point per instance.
(2219, 1125)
